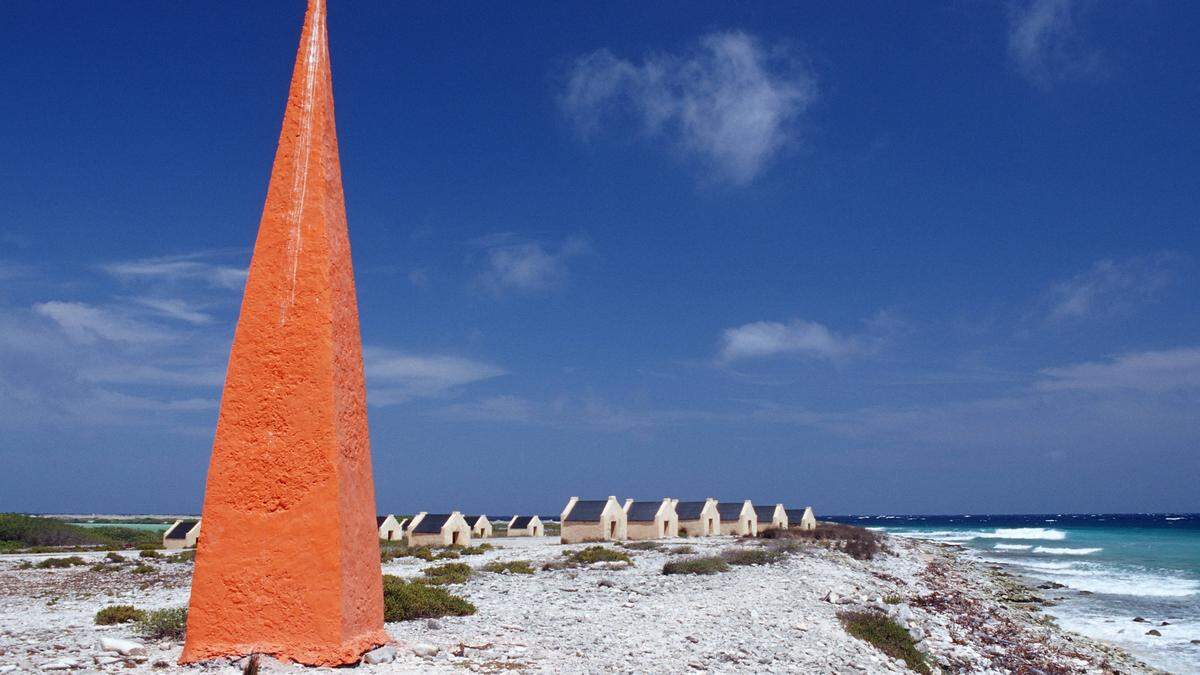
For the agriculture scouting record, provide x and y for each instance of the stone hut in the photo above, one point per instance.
(526, 526)
(439, 529)
(802, 518)
(182, 534)
(593, 520)
(771, 517)
(651, 520)
(698, 519)
(390, 529)
(738, 518)
(481, 527)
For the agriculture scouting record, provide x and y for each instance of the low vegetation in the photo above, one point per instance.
(142, 568)
(857, 542)
(114, 614)
(389, 551)
(450, 573)
(163, 624)
(149, 553)
(407, 600)
(885, 635)
(182, 557)
(642, 545)
(478, 549)
(681, 550)
(752, 556)
(37, 534)
(595, 554)
(55, 563)
(510, 567)
(114, 557)
(702, 565)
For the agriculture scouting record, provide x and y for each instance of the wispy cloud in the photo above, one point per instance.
(174, 308)
(395, 377)
(731, 101)
(573, 412)
(1112, 287)
(1142, 371)
(1046, 45)
(86, 323)
(193, 267)
(796, 337)
(514, 264)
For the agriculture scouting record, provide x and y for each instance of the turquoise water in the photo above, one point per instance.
(1114, 568)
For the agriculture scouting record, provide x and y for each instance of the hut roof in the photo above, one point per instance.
(473, 521)
(730, 510)
(432, 523)
(181, 529)
(379, 520)
(522, 522)
(643, 511)
(794, 514)
(587, 511)
(689, 510)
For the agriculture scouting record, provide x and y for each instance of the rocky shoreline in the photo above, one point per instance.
(965, 616)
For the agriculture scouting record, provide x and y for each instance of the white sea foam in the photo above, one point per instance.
(1025, 533)
(1066, 551)
(1097, 577)
(1172, 518)
(1013, 547)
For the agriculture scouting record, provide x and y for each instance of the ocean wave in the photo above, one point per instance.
(1025, 533)
(1013, 547)
(1128, 583)
(1066, 551)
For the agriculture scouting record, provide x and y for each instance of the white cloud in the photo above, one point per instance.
(731, 101)
(1142, 371)
(797, 337)
(189, 267)
(527, 266)
(175, 309)
(1045, 43)
(395, 377)
(86, 324)
(1112, 287)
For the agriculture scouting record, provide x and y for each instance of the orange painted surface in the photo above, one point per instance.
(288, 561)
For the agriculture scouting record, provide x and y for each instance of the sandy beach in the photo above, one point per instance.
(611, 617)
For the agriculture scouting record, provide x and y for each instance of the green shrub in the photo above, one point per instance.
(119, 614)
(401, 550)
(751, 556)
(59, 563)
(510, 567)
(142, 568)
(857, 542)
(706, 565)
(113, 556)
(163, 624)
(642, 545)
(183, 557)
(105, 567)
(474, 550)
(447, 554)
(450, 573)
(407, 600)
(892, 599)
(681, 550)
(149, 553)
(885, 635)
(595, 554)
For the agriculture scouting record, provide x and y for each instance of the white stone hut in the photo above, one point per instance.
(651, 520)
(738, 518)
(439, 529)
(593, 520)
(802, 518)
(390, 529)
(481, 527)
(526, 526)
(771, 517)
(182, 534)
(698, 519)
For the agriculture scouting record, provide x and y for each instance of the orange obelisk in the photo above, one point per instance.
(288, 562)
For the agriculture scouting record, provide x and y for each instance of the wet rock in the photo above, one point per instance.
(384, 654)
(606, 583)
(1154, 633)
(1138, 619)
(1196, 642)
(1165, 623)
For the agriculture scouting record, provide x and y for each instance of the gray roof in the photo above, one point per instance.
(379, 520)
(473, 521)
(643, 511)
(765, 512)
(521, 522)
(689, 510)
(730, 510)
(432, 523)
(181, 530)
(794, 514)
(587, 511)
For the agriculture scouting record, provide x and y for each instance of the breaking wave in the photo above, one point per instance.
(1013, 547)
(1066, 551)
(1025, 533)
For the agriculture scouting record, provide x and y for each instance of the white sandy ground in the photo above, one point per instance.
(776, 618)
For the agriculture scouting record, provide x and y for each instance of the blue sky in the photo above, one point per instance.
(937, 258)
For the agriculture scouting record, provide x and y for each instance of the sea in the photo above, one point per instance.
(1114, 568)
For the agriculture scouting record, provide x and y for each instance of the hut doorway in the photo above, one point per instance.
(709, 530)
(454, 538)
(612, 529)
